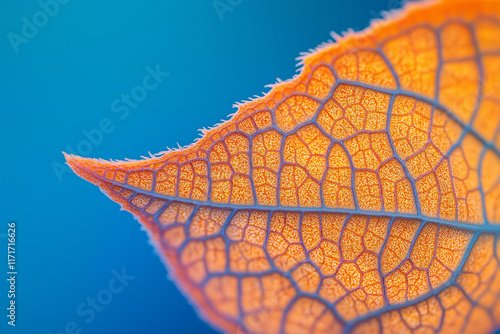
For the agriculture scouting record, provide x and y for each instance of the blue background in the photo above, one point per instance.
(63, 81)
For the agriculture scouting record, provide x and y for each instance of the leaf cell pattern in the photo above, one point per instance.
(362, 196)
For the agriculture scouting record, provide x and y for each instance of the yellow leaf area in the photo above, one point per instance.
(362, 196)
